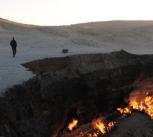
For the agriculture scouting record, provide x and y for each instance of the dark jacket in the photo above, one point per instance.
(13, 43)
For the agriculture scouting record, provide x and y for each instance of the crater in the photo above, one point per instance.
(81, 87)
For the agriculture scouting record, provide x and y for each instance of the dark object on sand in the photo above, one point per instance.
(65, 50)
(13, 44)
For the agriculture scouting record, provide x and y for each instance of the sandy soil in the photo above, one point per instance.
(36, 42)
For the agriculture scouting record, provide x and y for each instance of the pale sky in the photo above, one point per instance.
(64, 12)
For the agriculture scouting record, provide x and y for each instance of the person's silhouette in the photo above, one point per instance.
(13, 44)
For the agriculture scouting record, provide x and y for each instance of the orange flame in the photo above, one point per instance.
(73, 124)
(111, 125)
(143, 104)
(102, 126)
(124, 111)
(140, 100)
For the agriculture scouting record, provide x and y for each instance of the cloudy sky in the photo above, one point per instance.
(60, 12)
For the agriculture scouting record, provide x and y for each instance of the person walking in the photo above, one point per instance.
(13, 44)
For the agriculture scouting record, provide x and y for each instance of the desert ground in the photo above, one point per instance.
(37, 42)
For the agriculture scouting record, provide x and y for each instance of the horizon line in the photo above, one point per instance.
(71, 24)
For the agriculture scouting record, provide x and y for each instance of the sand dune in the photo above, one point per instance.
(134, 36)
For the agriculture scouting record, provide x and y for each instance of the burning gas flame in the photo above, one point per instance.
(111, 125)
(140, 100)
(99, 124)
(72, 124)
(124, 111)
(102, 126)
(143, 104)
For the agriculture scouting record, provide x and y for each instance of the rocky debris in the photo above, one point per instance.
(86, 63)
(80, 86)
(137, 125)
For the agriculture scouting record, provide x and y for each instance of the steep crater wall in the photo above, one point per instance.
(80, 86)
